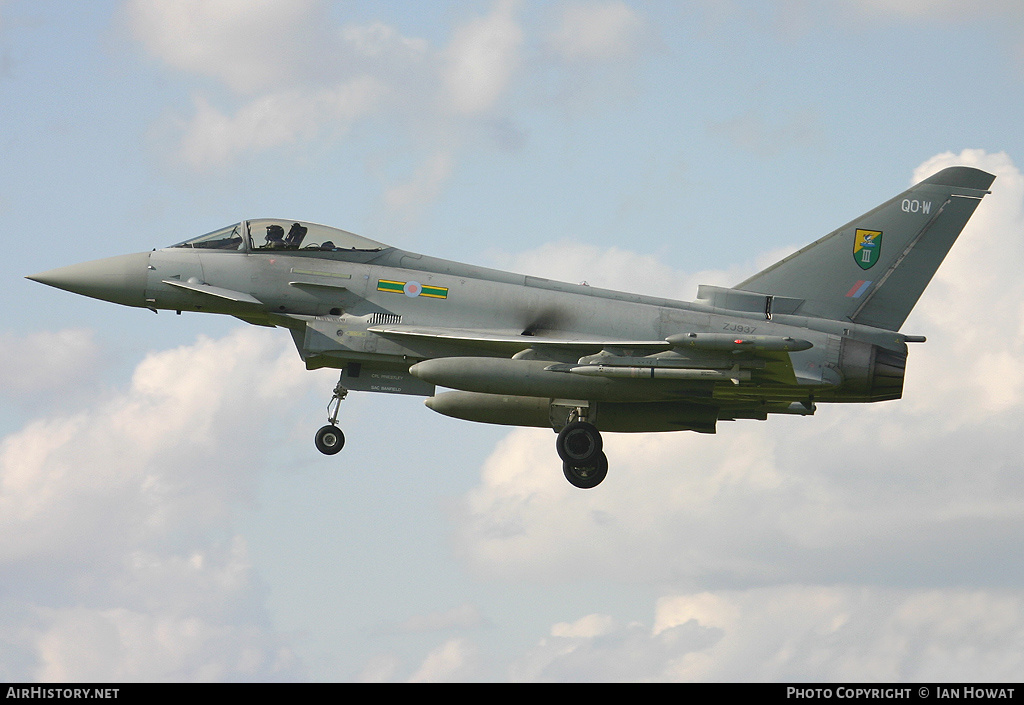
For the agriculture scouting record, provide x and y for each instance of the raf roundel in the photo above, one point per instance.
(412, 289)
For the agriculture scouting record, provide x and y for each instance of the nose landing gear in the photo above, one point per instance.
(329, 439)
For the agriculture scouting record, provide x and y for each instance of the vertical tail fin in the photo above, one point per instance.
(874, 269)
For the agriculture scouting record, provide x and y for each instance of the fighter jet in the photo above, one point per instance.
(820, 326)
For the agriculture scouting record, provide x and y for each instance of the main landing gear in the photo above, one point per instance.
(580, 447)
(330, 439)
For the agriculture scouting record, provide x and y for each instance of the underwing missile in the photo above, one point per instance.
(734, 375)
(738, 343)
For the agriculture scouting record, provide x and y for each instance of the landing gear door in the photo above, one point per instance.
(378, 377)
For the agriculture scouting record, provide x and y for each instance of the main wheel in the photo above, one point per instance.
(579, 443)
(587, 476)
(329, 440)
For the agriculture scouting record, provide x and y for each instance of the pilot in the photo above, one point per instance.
(275, 236)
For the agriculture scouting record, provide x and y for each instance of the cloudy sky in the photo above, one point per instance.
(163, 513)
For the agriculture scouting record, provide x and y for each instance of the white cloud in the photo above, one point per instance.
(302, 72)
(591, 54)
(116, 542)
(799, 634)
(597, 31)
(409, 198)
(212, 139)
(249, 47)
(593, 625)
(597, 648)
(481, 59)
(299, 79)
(184, 627)
(296, 77)
(452, 661)
(381, 41)
(381, 668)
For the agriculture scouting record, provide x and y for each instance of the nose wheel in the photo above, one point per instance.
(329, 439)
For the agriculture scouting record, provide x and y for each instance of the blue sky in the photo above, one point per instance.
(163, 513)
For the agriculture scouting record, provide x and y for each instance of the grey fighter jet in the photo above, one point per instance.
(819, 326)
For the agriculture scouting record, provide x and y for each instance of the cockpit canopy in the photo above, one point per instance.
(270, 235)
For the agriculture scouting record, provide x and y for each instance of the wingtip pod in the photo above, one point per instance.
(962, 177)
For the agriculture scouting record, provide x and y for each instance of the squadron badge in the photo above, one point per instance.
(867, 246)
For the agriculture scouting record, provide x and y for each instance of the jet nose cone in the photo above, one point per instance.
(121, 279)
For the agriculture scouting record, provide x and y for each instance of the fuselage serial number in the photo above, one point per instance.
(738, 328)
